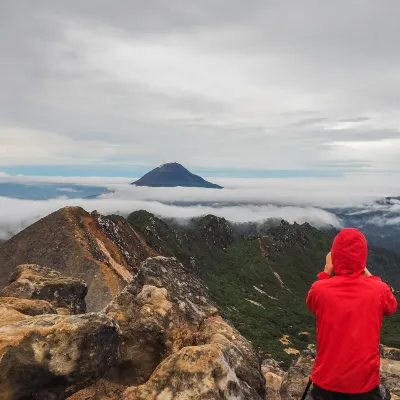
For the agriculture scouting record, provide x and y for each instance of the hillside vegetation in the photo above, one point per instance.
(260, 282)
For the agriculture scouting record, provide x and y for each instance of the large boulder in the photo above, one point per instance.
(194, 373)
(31, 281)
(27, 307)
(175, 342)
(52, 356)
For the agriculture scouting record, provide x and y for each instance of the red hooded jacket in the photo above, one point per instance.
(349, 309)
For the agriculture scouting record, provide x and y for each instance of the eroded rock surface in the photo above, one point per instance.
(273, 375)
(52, 356)
(175, 342)
(103, 252)
(31, 281)
(27, 307)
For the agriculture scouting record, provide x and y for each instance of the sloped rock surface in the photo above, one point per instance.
(31, 281)
(296, 378)
(52, 356)
(172, 334)
(103, 252)
(27, 307)
(390, 370)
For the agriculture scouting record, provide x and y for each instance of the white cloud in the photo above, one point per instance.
(18, 214)
(242, 200)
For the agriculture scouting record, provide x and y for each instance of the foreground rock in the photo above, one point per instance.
(273, 375)
(174, 342)
(31, 281)
(390, 371)
(27, 307)
(52, 356)
(103, 252)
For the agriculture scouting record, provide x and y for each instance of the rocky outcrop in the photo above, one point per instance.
(66, 295)
(27, 307)
(296, 378)
(390, 353)
(273, 375)
(52, 356)
(103, 252)
(390, 370)
(174, 341)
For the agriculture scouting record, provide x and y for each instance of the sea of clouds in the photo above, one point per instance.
(300, 200)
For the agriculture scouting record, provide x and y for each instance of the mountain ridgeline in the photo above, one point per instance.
(173, 175)
(259, 282)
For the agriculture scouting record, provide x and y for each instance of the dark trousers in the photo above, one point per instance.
(318, 393)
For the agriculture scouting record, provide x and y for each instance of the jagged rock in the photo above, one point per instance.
(52, 356)
(390, 353)
(390, 373)
(27, 307)
(166, 316)
(194, 373)
(103, 252)
(296, 378)
(158, 313)
(273, 375)
(31, 281)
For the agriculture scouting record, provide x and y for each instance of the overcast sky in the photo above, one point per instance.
(214, 84)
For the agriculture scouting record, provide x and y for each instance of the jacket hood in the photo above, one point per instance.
(349, 252)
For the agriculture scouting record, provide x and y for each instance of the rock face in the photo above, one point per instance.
(390, 370)
(103, 252)
(273, 375)
(31, 281)
(174, 342)
(27, 307)
(51, 356)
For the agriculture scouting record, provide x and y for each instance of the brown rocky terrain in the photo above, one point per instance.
(102, 252)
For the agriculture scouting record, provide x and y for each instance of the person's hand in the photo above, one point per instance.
(367, 273)
(328, 264)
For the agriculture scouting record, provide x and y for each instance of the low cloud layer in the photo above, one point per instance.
(243, 200)
(18, 214)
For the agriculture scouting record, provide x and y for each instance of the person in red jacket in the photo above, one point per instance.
(349, 307)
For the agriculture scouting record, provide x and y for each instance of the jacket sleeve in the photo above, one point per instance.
(310, 300)
(389, 302)
(323, 275)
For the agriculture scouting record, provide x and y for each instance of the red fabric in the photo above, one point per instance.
(349, 309)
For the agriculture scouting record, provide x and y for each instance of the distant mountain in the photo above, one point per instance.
(173, 175)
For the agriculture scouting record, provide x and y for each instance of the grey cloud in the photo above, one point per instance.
(285, 70)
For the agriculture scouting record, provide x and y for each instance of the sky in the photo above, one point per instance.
(233, 88)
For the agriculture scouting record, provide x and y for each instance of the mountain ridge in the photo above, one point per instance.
(258, 280)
